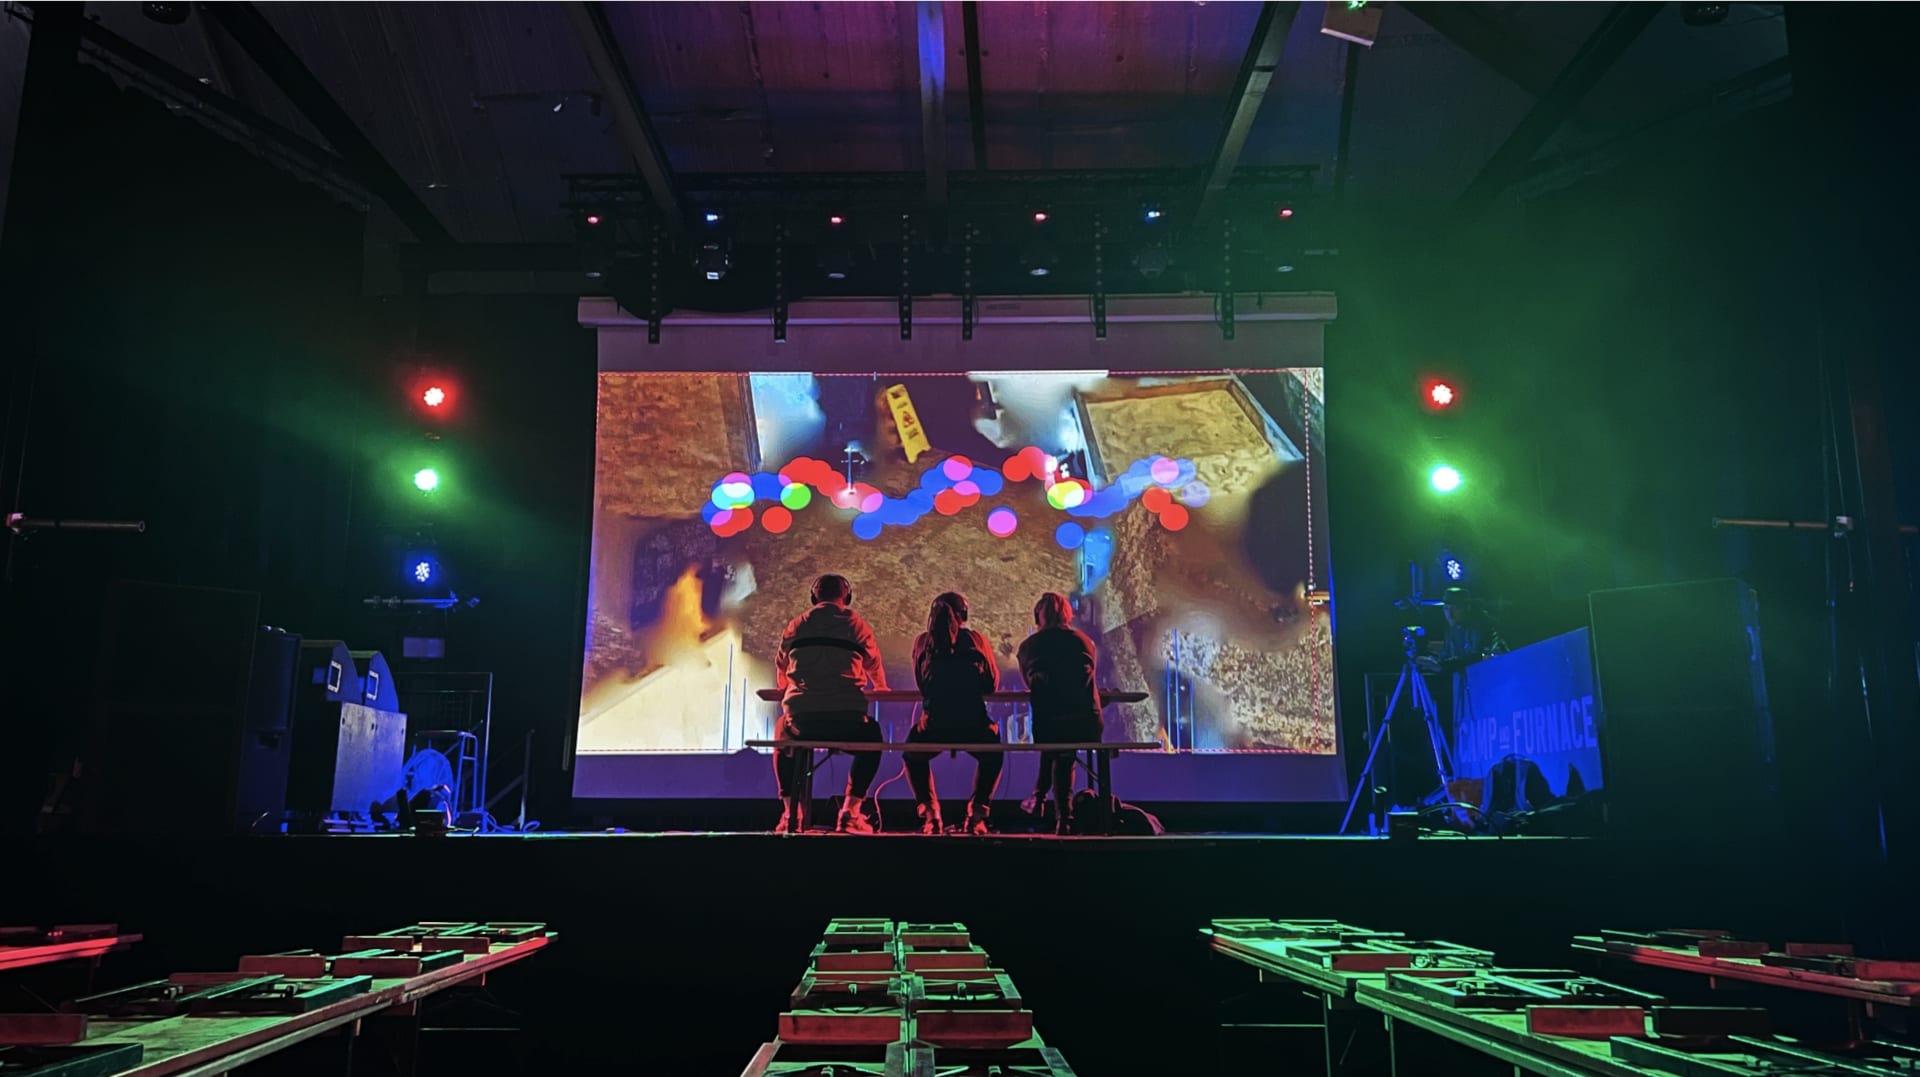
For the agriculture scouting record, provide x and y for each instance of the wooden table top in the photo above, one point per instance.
(202, 1046)
(990, 747)
(20, 957)
(907, 695)
(1904, 993)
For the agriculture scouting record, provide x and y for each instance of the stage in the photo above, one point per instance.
(678, 949)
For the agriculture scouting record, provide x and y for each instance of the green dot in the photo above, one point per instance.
(796, 496)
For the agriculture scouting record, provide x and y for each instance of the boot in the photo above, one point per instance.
(789, 816)
(930, 819)
(853, 820)
(1062, 818)
(976, 820)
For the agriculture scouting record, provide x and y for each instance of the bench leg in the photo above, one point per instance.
(806, 790)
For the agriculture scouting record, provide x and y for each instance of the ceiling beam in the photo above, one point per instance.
(1249, 90)
(976, 82)
(1488, 39)
(417, 258)
(1617, 30)
(246, 25)
(630, 117)
(932, 18)
(217, 109)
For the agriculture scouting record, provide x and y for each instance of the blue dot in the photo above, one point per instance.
(709, 510)
(1069, 535)
(934, 480)
(921, 501)
(866, 527)
(989, 482)
(1196, 494)
(767, 486)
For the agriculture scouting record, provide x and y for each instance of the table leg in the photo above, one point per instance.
(1104, 771)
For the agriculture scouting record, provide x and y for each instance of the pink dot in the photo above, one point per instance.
(966, 488)
(739, 477)
(1001, 522)
(871, 502)
(956, 468)
(1163, 470)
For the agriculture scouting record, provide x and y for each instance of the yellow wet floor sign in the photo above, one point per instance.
(913, 437)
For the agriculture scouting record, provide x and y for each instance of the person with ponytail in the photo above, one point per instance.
(955, 670)
(1059, 662)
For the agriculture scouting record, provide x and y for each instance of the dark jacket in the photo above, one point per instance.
(953, 685)
(827, 658)
(1059, 666)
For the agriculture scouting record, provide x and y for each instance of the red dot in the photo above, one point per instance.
(1156, 499)
(776, 519)
(1016, 469)
(1174, 518)
(946, 503)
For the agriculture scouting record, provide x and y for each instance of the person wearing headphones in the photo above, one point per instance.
(954, 667)
(1058, 662)
(827, 662)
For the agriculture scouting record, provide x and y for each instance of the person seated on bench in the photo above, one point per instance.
(827, 662)
(1058, 662)
(954, 667)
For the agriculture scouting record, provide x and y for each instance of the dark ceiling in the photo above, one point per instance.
(482, 109)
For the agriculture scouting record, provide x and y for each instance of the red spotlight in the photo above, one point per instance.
(1039, 218)
(593, 218)
(1441, 394)
(433, 396)
(1286, 212)
(836, 220)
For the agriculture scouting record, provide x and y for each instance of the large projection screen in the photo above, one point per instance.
(1171, 481)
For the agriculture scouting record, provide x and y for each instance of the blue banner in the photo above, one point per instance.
(1536, 703)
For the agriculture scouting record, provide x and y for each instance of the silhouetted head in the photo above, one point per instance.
(949, 612)
(832, 588)
(1052, 611)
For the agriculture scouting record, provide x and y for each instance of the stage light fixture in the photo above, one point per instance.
(1451, 567)
(1152, 260)
(1440, 394)
(426, 480)
(1704, 14)
(713, 258)
(1152, 213)
(1039, 217)
(1445, 479)
(1285, 213)
(166, 14)
(434, 396)
(836, 254)
(710, 217)
(593, 219)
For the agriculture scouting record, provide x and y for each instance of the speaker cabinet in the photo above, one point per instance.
(1686, 737)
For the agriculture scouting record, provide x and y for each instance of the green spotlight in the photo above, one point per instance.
(1444, 479)
(427, 480)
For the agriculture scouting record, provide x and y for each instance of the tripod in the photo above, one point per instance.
(1414, 683)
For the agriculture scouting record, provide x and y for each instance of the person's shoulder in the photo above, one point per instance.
(979, 639)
